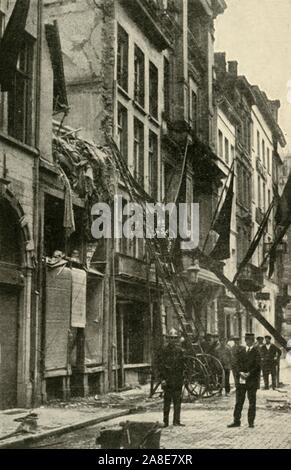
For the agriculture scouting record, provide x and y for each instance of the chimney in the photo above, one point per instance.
(220, 62)
(274, 107)
(233, 68)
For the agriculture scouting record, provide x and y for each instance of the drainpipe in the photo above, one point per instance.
(36, 287)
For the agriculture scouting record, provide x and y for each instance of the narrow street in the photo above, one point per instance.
(206, 425)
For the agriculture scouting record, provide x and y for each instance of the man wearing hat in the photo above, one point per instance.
(270, 359)
(207, 344)
(235, 351)
(259, 342)
(172, 367)
(249, 369)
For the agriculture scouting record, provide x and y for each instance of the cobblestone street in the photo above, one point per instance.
(206, 425)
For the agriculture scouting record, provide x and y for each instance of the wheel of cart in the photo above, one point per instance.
(196, 377)
(215, 375)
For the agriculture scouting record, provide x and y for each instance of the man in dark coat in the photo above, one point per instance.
(172, 367)
(249, 369)
(223, 353)
(235, 351)
(270, 355)
(207, 344)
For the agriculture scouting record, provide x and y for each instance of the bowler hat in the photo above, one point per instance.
(249, 335)
(268, 337)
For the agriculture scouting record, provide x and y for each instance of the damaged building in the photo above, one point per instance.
(91, 82)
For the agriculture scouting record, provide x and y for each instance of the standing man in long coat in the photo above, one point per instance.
(172, 367)
(236, 349)
(270, 358)
(249, 369)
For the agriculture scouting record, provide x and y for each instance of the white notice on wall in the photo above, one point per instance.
(79, 284)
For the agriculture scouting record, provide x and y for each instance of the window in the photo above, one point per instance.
(264, 153)
(245, 188)
(239, 182)
(139, 76)
(268, 160)
(259, 192)
(134, 333)
(239, 133)
(258, 144)
(194, 111)
(139, 152)
(232, 153)
(122, 59)
(154, 90)
(220, 144)
(122, 131)
(20, 96)
(269, 204)
(226, 150)
(153, 165)
(247, 134)
(264, 197)
(167, 86)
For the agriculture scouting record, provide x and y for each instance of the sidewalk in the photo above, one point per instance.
(60, 417)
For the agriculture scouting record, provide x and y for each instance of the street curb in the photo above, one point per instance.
(74, 427)
(62, 430)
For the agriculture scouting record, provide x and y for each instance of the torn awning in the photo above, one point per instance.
(11, 43)
(54, 45)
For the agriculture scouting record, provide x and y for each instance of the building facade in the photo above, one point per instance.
(22, 108)
(258, 144)
(80, 315)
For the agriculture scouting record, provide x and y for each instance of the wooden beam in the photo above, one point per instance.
(240, 296)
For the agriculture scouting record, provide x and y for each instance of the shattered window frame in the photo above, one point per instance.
(122, 130)
(153, 164)
(154, 90)
(139, 76)
(138, 153)
(122, 58)
(21, 95)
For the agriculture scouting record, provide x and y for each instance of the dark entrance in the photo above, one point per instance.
(131, 335)
(10, 261)
(8, 346)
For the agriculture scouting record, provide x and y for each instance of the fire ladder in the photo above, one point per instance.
(173, 282)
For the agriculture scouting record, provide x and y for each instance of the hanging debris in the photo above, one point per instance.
(87, 167)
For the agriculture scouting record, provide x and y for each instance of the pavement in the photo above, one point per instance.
(206, 421)
(60, 417)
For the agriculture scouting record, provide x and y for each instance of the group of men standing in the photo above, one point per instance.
(245, 362)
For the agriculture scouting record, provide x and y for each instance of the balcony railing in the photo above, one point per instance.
(159, 22)
(132, 268)
(251, 279)
(195, 51)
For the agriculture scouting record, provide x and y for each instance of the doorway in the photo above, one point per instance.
(8, 346)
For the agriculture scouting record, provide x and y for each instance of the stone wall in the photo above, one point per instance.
(87, 38)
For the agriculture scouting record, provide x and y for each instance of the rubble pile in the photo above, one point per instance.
(87, 165)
